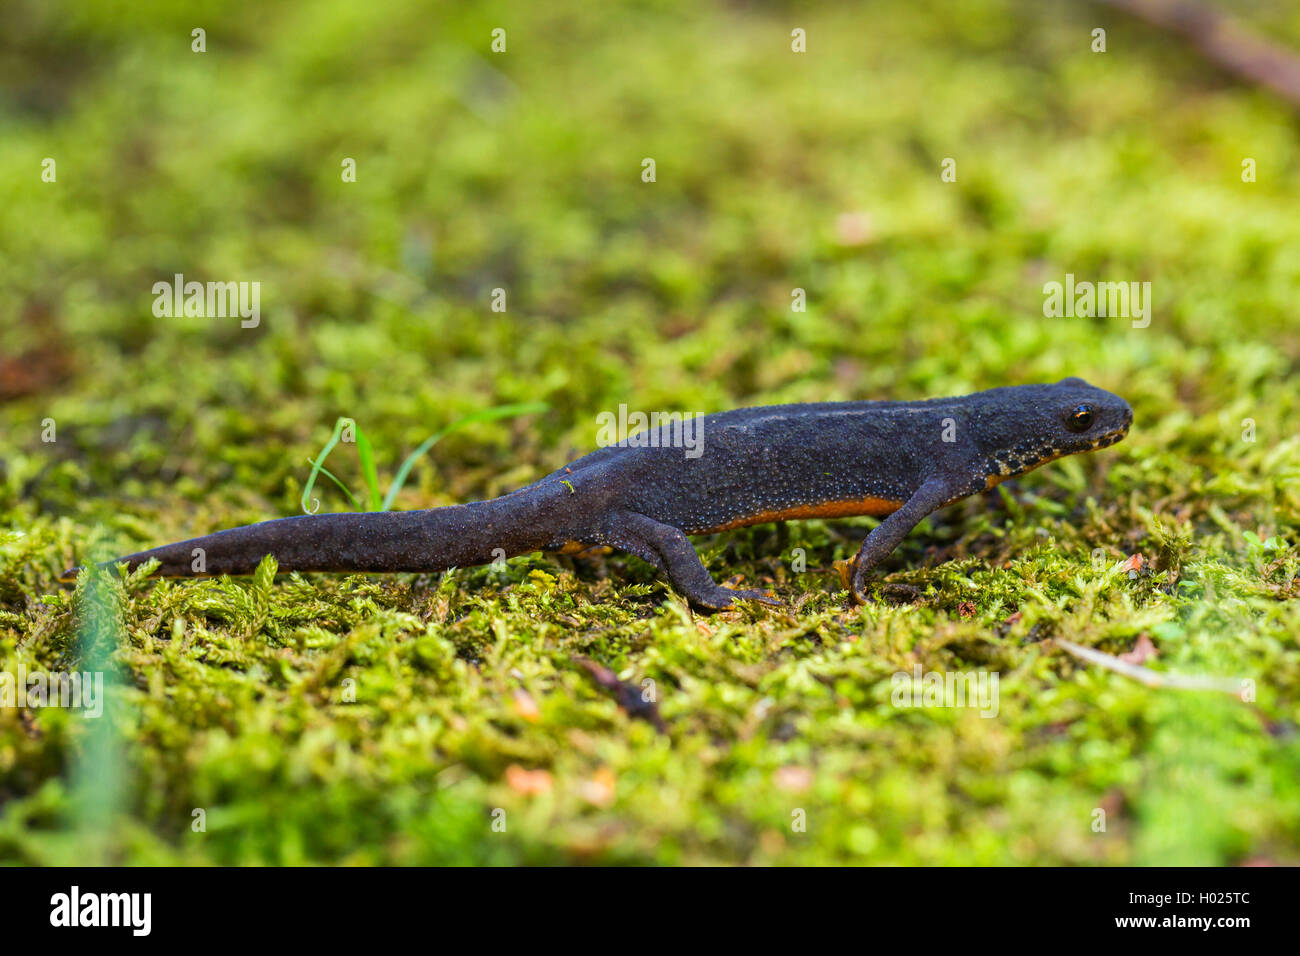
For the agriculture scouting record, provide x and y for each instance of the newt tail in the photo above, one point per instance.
(379, 541)
(899, 461)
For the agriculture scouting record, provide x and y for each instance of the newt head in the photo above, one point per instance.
(1092, 417)
(1050, 422)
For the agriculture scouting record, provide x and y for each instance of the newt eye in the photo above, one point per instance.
(1080, 419)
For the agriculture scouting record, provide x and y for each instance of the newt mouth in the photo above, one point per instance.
(1105, 441)
(1111, 437)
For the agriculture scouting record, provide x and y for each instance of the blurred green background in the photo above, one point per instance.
(522, 170)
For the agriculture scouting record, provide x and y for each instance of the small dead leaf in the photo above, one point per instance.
(793, 778)
(599, 790)
(854, 229)
(966, 609)
(1134, 565)
(32, 372)
(1142, 651)
(526, 707)
(844, 567)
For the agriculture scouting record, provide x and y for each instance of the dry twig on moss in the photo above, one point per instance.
(1223, 41)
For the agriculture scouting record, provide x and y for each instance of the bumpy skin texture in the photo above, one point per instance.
(898, 460)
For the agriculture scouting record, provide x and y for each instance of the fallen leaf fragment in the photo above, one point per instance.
(599, 790)
(854, 229)
(528, 782)
(793, 778)
(1142, 651)
(526, 707)
(1134, 565)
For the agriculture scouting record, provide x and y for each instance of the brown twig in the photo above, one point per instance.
(1147, 676)
(628, 696)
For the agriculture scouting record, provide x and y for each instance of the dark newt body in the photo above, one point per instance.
(902, 460)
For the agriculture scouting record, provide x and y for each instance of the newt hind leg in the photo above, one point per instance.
(668, 549)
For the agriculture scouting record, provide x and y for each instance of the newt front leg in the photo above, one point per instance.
(887, 535)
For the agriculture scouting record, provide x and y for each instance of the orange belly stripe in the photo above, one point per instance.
(876, 507)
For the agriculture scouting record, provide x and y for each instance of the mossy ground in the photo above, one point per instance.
(522, 171)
